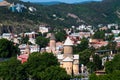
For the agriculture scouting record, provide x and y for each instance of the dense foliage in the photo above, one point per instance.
(60, 35)
(24, 40)
(112, 69)
(99, 35)
(113, 65)
(82, 46)
(38, 67)
(62, 15)
(42, 41)
(9, 69)
(84, 56)
(8, 49)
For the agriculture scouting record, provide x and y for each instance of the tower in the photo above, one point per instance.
(69, 61)
(76, 64)
(68, 56)
(68, 49)
(52, 43)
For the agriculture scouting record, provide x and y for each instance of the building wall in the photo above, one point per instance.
(68, 67)
(52, 46)
(75, 69)
(27, 51)
(68, 50)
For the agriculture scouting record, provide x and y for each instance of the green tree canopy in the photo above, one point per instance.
(60, 36)
(25, 39)
(97, 61)
(39, 62)
(113, 65)
(82, 46)
(8, 49)
(111, 45)
(93, 77)
(54, 73)
(84, 56)
(10, 70)
(100, 34)
(112, 76)
(110, 37)
(42, 41)
(39, 66)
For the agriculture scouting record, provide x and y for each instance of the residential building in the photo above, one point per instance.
(43, 29)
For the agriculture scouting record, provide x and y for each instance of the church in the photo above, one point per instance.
(67, 60)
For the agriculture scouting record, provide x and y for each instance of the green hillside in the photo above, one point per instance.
(62, 15)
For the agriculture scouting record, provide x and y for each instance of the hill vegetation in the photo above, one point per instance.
(61, 15)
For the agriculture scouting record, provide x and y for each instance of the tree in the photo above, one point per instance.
(99, 34)
(43, 66)
(82, 46)
(112, 76)
(8, 49)
(110, 37)
(93, 77)
(54, 73)
(41, 41)
(97, 61)
(60, 36)
(109, 67)
(24, 40)
(91, 66)
(39, 62)
(113, 65)
(84, 56)
(9, 70)
(111, 45)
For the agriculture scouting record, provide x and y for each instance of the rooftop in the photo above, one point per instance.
(68, 42)
(67, 59)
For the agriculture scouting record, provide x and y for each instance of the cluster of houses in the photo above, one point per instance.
(62, 50)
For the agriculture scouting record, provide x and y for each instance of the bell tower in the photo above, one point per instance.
(52, 43)
(68, 49)
(68, 61)
(68, 56)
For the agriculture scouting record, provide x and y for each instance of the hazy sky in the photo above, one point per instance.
(67, 1)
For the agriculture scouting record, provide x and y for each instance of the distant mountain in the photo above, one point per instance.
(86, 2)
(48, 3)
(58, 2)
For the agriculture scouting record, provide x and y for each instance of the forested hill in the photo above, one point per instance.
(62, 15)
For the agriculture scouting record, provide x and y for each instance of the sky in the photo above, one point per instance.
(66, 1)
